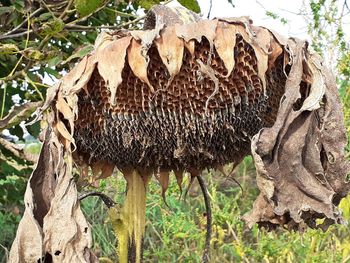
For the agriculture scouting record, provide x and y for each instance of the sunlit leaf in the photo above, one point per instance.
(81, 52)
(86, 7)
(191, 5)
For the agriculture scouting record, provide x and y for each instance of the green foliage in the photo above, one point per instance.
(13, 180)
(191, 5)
(177, 233)
(86, 7)
(276, 17)
(146, 4)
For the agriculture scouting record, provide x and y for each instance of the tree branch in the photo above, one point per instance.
(106, 199)
(23, 23)
(18, 151)
(206, 252)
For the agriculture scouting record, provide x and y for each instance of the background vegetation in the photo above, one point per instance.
(41, 39)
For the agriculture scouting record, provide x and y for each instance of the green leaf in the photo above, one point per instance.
(44, 17)
(86, 7)
(55, 60)
(33, 54)
(7, 49)
(147, 4)
(52, 72)
(34, 129)
(19, 6)
(6, 9)
(191, 5)
(52, 27)
(79, 53)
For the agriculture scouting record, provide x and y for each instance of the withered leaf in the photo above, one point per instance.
(170, 49)
(138, 62)
(197, 30)
(163, 179)
(297, 182)
(224, 42)
(51, 207)
(110, 63)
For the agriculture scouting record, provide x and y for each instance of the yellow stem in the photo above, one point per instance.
(129, 222)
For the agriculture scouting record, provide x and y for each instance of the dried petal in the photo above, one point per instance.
(110, 63)
(224, 42)
(138, 62)
(197, 30)
(170, 49)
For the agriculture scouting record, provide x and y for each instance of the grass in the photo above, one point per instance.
(177, 233)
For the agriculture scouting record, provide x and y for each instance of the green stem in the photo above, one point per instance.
(3, 101)
(33, 84)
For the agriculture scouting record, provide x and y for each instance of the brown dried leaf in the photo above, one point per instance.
(163, 179)
(318, 88)
(27, 246)
(224, 42)
(138, 62)
(72, 78)
(102, 169)
(170, 49)
(63, 107)
(197, 30)
(179, 178)
(275, 51)
(102, 40)
(61, 128)
(244, 24)
(69, 245)
(110, 63)
(51, 207)
(190, 45)
(262, 59)
(147, 36)
(298, 180)
(83, 79)
(262, 38)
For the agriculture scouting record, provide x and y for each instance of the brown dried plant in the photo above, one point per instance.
(184, 97)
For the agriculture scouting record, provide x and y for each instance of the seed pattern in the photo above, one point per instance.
(184, 124)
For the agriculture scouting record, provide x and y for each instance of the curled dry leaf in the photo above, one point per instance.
(224, 42)
(297, 179)
(18, 114)
(171, 50)
(53, 223)
(138, 62)
(110, 63)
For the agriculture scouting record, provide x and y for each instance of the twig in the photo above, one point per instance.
(66, 10)
(25, 75)
(210, 7)
(105, 199)
(206, 252)
(90, 28)
(87, 16)
(18, 114)
(6, 252)
(18, 151)
(119, 13)
(3, 101)
(47, 8)
(24, 21)
(13, 74)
